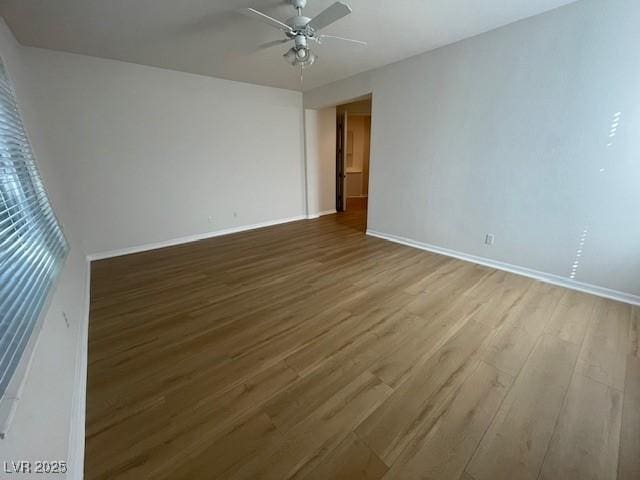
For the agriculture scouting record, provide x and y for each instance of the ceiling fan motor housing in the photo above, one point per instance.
(298, 24)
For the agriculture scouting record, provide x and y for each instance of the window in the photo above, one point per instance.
(32, 245)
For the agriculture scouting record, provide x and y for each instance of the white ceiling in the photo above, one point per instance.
(209, 37)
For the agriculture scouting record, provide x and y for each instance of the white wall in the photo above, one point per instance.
(151, 155)
(508, 133)
(320, 128)
(40, 428)
(340, 92)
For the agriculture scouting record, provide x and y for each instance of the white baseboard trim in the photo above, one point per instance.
(188, 239)
(79, 401)
(527, 272)
(311, 216)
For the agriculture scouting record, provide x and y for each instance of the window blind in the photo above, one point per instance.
(32, 245)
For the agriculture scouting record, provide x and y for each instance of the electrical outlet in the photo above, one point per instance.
(489, 239)
(235, 214)
(210, 219)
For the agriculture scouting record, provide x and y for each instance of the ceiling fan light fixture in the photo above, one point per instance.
(310, 60)
(290, 56)
(300, 57)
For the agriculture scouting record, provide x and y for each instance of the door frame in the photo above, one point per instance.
(341, 161)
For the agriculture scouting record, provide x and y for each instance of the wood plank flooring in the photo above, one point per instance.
(311, 351)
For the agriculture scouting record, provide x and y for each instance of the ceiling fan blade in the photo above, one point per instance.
(332, 14)
(263, 17)
(274, 43)
(359, 42)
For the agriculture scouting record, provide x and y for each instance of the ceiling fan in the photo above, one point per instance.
(303, 30)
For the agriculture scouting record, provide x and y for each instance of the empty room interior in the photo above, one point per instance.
(319, 239)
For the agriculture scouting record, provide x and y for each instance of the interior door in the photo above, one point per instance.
(341, 163)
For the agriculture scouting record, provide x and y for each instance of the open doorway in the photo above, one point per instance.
(353, 147)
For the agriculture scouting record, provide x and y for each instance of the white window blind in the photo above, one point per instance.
(32, 245)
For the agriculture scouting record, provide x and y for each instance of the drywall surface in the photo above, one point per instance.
(320, 128)
(40, 428)
(530, 132)
(340, 92)
(151, 155)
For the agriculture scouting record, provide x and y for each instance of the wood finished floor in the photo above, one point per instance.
(309, 350)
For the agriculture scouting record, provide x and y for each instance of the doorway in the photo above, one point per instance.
(353, 151)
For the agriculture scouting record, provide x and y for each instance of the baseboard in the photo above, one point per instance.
(311, 216)
(526, 272)
(188, 239)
